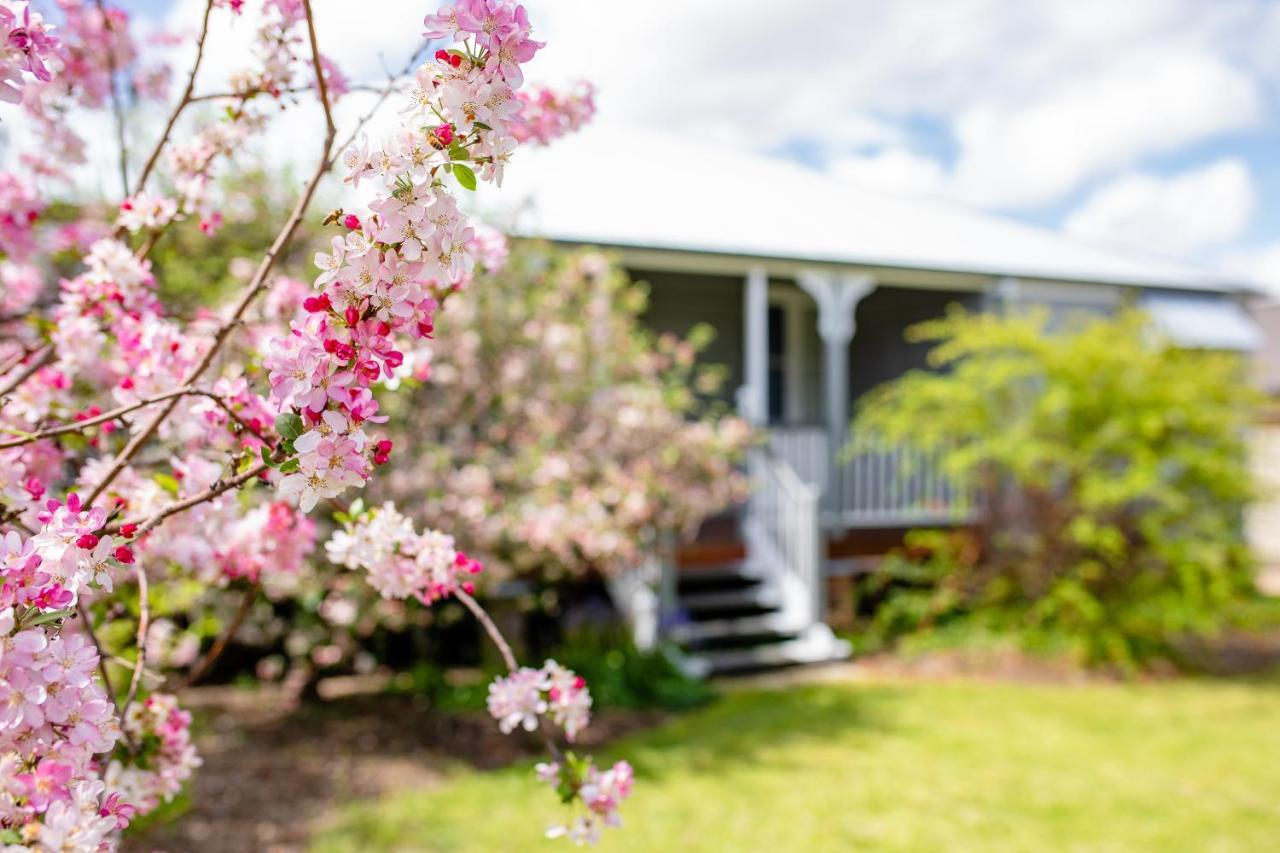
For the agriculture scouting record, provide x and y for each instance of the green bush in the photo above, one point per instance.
(1111, 469)
(619, 676)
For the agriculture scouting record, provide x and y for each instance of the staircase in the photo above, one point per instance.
(739, 617)
(767, 609)
(760, 611)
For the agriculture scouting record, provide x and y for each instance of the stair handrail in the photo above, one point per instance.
(784, 522)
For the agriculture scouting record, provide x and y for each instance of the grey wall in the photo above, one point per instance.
(879, 351)
(679, 301)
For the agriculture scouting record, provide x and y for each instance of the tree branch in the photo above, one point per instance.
(37, 360)
(117, 108)
(182, 103)
(220, 644)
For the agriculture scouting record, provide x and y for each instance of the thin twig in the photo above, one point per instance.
(508, 658)
(182, 103)
(392, 81)
(220, 644)
(80, 426)
(117, 109)
(140, 639)
(37, 360)
(490, 628)
(150, 523)
(87, 622)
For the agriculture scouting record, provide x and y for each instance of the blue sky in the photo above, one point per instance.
(1153, 124)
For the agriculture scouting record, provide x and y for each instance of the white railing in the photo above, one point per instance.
(782, 526)
(876, 484)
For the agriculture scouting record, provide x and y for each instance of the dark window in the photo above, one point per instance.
(777, 363)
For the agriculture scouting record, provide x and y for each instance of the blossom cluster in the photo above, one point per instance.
(546, 115)
(55, 718)
(93, 56)
(382, 281)
(20, 208)
(278, 49)
(162, 757)
(69, 553)
(600, 793)
(398, 561)
(26, 44)
(521, 699)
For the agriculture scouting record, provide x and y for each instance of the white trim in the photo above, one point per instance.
(753, 397)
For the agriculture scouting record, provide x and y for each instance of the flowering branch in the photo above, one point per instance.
(85, 423)
(256, 285)
(152, 522)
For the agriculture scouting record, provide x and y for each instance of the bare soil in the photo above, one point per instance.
(273, 773)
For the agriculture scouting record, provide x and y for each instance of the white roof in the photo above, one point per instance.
(645, 189)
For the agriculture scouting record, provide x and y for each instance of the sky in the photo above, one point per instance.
(1152, 124)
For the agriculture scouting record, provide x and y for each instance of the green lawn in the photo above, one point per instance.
(902, 766)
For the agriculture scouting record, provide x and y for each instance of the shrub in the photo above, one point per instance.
(1110, 468)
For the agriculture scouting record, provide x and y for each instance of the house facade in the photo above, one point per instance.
(810, 286)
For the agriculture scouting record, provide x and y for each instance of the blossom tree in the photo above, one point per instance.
(135, 443)
(555, 434)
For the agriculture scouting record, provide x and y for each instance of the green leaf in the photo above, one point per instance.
(168, 482)
(51, 616)
(481, 125)
(290, 466)
(457, 152)
(465, 176)
(266, 457)
(289, 426)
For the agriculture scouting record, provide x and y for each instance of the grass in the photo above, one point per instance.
(1190, 765)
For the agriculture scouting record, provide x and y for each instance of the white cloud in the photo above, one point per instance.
(1038, 98)
(893, 169)
(1149, 102)
(1181, 214)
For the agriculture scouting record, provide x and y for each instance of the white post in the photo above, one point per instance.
(754, 396)
(837, 297)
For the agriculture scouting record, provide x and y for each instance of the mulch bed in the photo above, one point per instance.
(273, 773)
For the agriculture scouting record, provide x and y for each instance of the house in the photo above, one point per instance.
(810, 285)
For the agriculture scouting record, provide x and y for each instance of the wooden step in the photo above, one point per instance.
(764, 624)
(816, 645)
(761, 597)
